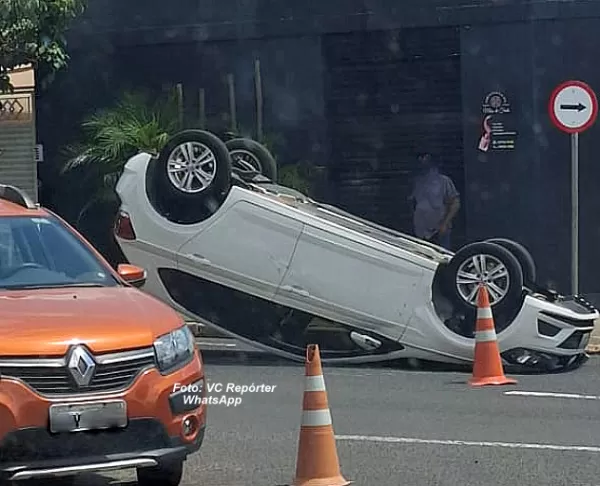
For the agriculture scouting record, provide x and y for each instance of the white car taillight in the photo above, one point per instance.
(124, 227)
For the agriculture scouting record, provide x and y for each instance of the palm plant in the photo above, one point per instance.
(136, 123)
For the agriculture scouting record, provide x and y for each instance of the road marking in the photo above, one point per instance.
(350, 374)
(506, 445)
(552, 395)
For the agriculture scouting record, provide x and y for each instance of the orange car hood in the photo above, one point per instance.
(47, 322)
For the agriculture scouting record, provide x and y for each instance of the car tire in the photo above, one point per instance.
(248, 155)
(217, 169)
(522, 254)
(464, 294)
(168, 474)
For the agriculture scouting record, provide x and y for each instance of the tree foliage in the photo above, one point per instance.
(33, 32)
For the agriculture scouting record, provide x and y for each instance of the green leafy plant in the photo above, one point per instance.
(297, 176)
(32, 32)
(136, 123)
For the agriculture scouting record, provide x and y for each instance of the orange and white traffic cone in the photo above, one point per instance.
(317, 463)
(487, 363)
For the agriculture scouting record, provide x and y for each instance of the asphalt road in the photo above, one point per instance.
(397, 426)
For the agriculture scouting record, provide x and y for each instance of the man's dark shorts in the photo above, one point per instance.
(441, 240)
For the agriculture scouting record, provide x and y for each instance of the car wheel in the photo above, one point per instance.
(193, 168)
(489, 263)
(168, 474)
(249, 157)
(522, 254)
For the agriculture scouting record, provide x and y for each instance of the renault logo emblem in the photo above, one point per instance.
(81, 366)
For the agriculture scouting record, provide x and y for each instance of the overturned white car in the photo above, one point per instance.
(277, 270)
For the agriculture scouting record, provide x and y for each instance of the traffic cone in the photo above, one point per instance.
(317, 463)
(487, 363)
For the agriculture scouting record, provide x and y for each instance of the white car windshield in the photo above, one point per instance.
(43, 253)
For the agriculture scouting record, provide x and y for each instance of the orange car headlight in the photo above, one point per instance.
(174, 350)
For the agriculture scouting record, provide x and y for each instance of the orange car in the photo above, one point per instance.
(91, 368)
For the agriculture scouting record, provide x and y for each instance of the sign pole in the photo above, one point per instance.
(573, 108)
(575, 213)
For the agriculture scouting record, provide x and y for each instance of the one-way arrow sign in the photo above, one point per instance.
(573, 107)
(578, 107)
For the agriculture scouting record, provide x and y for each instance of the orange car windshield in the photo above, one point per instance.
(40, 252)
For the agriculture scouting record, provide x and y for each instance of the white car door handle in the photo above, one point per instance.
(199, 259)
(296, 290)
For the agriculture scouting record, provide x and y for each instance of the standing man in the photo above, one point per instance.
(435, 202)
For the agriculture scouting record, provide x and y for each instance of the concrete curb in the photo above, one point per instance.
(201, 331)
(594, 346)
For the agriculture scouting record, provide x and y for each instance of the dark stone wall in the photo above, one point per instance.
(501, 198)
(292, 85)
(522, 48)
(564, 50)
(155, 21)
(525, 194)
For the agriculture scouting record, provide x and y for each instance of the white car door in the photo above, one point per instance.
(247, 248)
(345, 280)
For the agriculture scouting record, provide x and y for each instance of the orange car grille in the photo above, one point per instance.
(52, 381)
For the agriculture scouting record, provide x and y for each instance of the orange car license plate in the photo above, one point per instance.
(76, 417)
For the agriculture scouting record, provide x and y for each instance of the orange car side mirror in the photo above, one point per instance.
(132, 274)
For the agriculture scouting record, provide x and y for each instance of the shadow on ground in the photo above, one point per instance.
(87, 480)
(263, 359)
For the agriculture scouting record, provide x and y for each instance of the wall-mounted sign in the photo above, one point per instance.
(498, 115)
(495, 103)
(39, 152)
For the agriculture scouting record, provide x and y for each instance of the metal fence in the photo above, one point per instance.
(16, 108)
